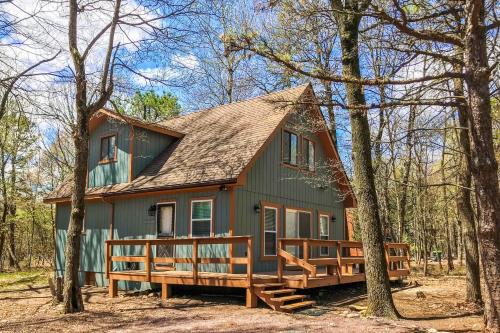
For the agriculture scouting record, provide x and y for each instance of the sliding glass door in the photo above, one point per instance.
(297, 225)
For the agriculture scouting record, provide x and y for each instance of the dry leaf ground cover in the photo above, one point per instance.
(436, 304)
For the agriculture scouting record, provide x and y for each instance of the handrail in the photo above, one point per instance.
(147, 258)
(338, 263)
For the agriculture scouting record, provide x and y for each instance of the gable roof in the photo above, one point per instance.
(217, 146)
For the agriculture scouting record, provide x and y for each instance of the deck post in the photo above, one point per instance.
(166, 291)
(195, 261)
(249, 262)
(280, 263)
(108, 259)
(148, 261)
(339, 261)
(113, 288)
(251, 298)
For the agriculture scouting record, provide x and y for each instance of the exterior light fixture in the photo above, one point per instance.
(334, 219)
(152, 210)
(256, 208)
(223, 188)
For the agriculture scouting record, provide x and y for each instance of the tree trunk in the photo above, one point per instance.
(464, 205)
(449, 254)
(380, 302)
(330, 110)
(73, 301)
(484, 165)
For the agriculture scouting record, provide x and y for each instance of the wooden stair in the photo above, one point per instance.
(280, 298)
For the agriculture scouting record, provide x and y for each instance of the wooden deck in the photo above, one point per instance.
(309, 271)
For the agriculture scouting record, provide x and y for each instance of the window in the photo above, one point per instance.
(108, 148)
(270, 227)
(290, 148)
(201, 218)
(308, 153)
(323, 233)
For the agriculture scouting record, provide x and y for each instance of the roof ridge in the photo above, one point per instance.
(237, 102)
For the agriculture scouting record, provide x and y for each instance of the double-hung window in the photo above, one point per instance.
(201, 218)
(270, 228)
(108, 148)
(290, 147)
(323, 233)
(308, 153)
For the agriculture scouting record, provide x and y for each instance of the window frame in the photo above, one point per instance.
(306, 165)
(277, 208)
(212, 219)
(157, 216)
(297, 160)
(115, 155)
(328, 218)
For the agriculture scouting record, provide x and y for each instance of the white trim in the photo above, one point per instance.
(271, 231)
(211, 215)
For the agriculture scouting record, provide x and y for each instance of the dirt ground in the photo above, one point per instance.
(26, 306)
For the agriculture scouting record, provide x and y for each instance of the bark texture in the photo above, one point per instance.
(380, 302)
(484, 165)
(464, 205)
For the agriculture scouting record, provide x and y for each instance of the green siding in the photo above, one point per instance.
(147, 145)
(133, 222)
(109, 173)
(269, 181)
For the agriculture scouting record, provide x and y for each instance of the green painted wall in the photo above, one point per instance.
(133, 222)
(109, 173)
(147, 145)
(269, 181)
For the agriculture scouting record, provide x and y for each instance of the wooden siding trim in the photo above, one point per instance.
(169, 201)
(232, 215)
(307, 210)
(212, 217)
(115, 158)
(263, 205)
(131, 154)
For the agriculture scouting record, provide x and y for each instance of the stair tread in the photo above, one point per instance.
(278, 291)
(298, 305)
(268, 285)
(287, 298)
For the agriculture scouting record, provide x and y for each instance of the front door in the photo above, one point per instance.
(165, 221)
(297, 225)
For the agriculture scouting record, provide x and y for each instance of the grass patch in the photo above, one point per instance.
(21, 279)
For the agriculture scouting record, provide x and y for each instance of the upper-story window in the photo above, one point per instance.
(290, 147)
(108, 148)
(308, 153)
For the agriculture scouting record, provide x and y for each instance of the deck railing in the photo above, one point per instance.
(348, 263)
(148, 259)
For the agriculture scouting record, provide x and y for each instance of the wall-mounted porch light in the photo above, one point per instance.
(223, 188)
(256, 208)
(334, 219)
(152, 210)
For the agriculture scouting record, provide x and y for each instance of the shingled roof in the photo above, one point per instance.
(216, 146)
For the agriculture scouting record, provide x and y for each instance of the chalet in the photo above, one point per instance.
(246, 195)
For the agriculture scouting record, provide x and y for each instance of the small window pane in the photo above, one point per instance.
(269, 219)
(104, 148)
(293, 148)
(201, 228)
(310, 157)
(202, 210)
(270, 243)
(286, 147)
(323, 225)
(111, 149)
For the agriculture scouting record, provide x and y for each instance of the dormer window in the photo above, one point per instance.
(290, 147)
(108, 149)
